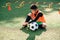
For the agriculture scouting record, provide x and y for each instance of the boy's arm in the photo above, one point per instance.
(26, 21)
(39, 15)
(28, 18)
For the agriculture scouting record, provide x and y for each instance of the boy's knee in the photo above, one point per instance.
(44, 25)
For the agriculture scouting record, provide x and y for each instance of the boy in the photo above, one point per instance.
(36, 16)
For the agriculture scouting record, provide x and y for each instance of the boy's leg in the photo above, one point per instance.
(44, 25)
(41, 25)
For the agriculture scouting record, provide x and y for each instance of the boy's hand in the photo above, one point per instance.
(25, 23)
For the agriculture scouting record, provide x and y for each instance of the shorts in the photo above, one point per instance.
(41, 23)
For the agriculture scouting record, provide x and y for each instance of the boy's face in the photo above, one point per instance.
(33, 11)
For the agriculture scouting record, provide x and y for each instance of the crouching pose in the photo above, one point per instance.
(36, 16)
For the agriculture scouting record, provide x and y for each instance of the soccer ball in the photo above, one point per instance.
(33, 26)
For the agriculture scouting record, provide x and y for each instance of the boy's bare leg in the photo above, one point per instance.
(42, 26)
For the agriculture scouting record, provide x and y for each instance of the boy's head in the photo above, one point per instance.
(34, 8)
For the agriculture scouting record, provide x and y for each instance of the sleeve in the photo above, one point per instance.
(39, 15)
(28, 18)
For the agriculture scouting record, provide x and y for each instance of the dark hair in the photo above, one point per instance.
(34, 7)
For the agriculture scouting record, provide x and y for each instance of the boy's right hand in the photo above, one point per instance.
(25, 23)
